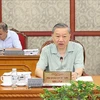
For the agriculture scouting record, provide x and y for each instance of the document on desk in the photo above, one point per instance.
(56, 84)
(85, 78)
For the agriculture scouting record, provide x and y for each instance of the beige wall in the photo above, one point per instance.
(87, 15)
(88, 19)
(42, 15)
(35, 15)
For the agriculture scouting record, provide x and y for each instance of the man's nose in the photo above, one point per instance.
(61, 38)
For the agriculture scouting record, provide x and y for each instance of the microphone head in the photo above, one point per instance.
(61, 58)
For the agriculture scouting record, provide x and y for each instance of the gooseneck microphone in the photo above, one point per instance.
(61, 58)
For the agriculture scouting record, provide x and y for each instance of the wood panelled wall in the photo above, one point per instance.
(72, 25)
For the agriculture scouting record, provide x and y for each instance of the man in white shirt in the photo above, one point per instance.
(9, 40)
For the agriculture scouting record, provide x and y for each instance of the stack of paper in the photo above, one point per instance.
(31, 51)
(85, 78)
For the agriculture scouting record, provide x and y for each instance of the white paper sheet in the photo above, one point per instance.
(56, 84)
(85, 78)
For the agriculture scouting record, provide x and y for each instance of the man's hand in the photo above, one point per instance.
(74, 75)
(39, 72)
(78, 72)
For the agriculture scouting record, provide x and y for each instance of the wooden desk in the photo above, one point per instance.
(22, 63)
(23, 93)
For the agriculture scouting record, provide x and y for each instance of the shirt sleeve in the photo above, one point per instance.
(42, 63)
(16, 41)
(79, 59)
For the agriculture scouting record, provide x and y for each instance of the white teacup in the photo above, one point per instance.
(6, 79)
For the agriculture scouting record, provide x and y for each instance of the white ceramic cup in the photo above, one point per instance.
(6, 79)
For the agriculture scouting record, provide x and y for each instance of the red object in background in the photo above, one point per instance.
(23, 40)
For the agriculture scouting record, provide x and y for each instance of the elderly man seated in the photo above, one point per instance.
(9, 40)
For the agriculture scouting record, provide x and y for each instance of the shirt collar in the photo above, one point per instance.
(53, 48)
(69, 48)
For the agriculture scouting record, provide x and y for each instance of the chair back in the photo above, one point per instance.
(22, 38)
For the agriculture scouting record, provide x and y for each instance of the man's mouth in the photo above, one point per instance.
(61, 44)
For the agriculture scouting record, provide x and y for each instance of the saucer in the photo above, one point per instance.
(21, 84)
(5, 84)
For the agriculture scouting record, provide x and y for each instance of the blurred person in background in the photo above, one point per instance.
(9, 40)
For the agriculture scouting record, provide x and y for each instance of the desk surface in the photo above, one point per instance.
(17, 56)
(23, 93)
(96, 79)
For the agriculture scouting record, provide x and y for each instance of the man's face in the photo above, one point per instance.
(61, 37)
(3, 34)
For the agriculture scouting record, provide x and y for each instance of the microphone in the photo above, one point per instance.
(61, 58)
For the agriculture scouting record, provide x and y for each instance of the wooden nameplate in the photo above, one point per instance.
(56, 76)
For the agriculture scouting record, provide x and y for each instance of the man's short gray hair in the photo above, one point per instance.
(3, 26)
(60, 25)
